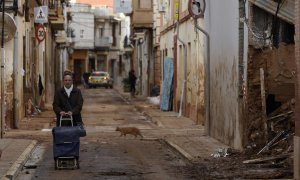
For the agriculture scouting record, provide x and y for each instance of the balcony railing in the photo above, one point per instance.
(55, 8)
(55, 13)
(103, 42)
(10, 5)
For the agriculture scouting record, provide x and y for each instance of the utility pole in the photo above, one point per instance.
(2, 70)
(297, 94)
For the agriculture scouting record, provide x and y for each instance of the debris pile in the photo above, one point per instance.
(281, 128)
(221, 152)
(276, 152)
(278, 134)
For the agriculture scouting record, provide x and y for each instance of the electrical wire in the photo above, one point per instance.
(262, 36)
(246, 21)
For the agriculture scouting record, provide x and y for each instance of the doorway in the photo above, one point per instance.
(92, 65)
(78, 70)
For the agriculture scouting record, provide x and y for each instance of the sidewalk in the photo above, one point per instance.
(184, 135)
(15, 153)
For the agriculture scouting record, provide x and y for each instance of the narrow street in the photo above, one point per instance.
(103, 153)
(216, 86)
(106, 155)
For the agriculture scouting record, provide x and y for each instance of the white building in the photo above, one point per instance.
(81, 25)
(97, 41)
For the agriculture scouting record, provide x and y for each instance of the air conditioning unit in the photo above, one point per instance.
(162, 5)
(9, 3)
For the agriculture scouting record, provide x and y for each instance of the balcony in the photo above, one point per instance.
(103, 42)
(142, 19)
(142, 14)
(10, 6)
(56, 18)
(60, 37)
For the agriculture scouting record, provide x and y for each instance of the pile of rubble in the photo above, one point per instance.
(280, 128)
(277, 152)
(270, 151)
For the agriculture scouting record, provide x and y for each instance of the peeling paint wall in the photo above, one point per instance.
(195, 68)
(8, 81)
(49, 71)
(223, 27)
(19, 97)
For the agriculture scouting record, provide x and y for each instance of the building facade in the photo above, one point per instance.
(207, 78)
(98, 41)
(81, 24)
(28, 83)
(141, 37)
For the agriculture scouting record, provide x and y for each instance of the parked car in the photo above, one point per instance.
(100, 79)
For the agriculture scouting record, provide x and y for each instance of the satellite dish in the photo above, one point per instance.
(10, 27)
(197, 8)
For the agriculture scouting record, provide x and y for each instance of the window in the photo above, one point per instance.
(100, 32)
(81, 33)
(114, 34)
(120, 65)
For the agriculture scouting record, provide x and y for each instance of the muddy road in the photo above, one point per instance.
(106, 155)
(111, 158)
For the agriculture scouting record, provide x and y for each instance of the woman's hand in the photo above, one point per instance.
(62, 113)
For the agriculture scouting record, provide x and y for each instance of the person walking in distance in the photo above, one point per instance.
(68, 100)
(132, 81)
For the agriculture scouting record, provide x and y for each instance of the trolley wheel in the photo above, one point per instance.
(55, 164)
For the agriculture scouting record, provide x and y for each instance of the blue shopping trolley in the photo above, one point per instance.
(66, 144)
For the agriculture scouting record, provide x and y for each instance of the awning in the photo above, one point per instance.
(286, 12)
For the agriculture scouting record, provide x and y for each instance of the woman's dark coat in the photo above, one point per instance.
(73, 103)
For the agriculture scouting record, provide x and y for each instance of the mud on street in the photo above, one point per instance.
(106, 155)
(103, 153)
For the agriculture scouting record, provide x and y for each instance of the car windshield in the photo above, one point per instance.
(99, 74)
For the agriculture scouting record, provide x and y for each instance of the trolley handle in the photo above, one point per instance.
(66, 117)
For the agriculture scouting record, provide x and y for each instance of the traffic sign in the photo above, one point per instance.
(196, 8)
(41, 14)
(40, 33)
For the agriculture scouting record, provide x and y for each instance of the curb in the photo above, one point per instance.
(179, 149)
(149, 117)
(17, 165)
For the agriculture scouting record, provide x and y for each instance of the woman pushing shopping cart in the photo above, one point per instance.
(67, 105)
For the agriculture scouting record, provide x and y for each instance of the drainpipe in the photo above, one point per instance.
(183, 87)
(207, 79)
(15, 77)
